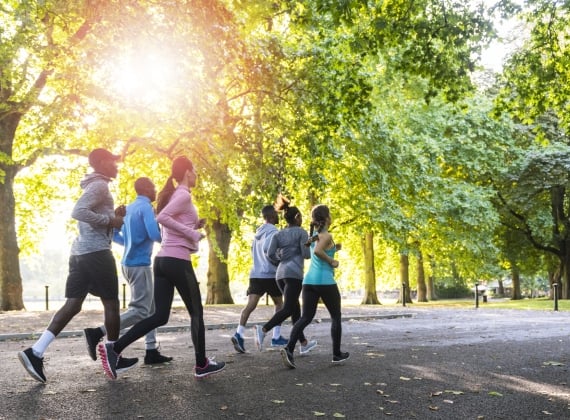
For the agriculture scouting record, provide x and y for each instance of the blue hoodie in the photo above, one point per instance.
(139, 233)
(262, 268)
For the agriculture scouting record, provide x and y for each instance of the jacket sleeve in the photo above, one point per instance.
(118, 236)
(93, 195)
(150, 223)
(167, 219)
(305, 250)
(272, 251)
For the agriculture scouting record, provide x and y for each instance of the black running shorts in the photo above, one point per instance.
(94, 273)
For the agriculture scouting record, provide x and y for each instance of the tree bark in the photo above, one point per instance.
(10, 278)
(501, 291)
(405, 278)
(515, 273)
(422, 288)
(219, 237)
(431, 295)
(370, 296)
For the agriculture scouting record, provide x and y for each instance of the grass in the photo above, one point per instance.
(537, 304)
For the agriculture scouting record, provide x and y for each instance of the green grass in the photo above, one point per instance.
(538, 304)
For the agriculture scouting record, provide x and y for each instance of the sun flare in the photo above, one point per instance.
(145, 78)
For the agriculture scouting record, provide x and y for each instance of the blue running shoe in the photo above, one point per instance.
(237, 341)
(279, 342)
(310, 346)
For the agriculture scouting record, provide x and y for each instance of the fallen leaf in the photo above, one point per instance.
(447, 391)
(318, 413)
(403, 378)
(394, 401)
(367, 384)
(433, 407)
(335, 384)
(495, 394)
(224, 407)
(339, 415)
(436, 394)
(448, 401)
(278, 401)
(546, 412)
(379, 391)
(551, 363)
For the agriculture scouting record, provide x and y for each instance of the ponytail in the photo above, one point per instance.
(319, 216)
(289, 213)
(165, 194)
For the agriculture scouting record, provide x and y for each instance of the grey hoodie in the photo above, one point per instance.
(262, 267)
(288, 248)
(94, 211)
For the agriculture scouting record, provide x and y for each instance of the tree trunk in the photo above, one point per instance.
(501, 291)
(370, 296)
(565, 274)
(422, 288)
(405, 278)
(431, 295)
(10, 278)
(219, 237)
(515, 273)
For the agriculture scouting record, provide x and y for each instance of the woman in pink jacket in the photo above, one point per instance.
(173, 269)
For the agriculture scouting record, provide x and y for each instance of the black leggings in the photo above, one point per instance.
(170, 273)
(331, 298)
(291, 307)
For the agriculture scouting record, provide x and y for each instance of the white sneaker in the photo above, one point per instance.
(310, 346)
(258, 336)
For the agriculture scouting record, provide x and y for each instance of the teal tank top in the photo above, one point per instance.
(320, 272)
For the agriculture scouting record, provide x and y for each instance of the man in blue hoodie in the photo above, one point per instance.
(92, 267)
(139, 233)
(261, 279)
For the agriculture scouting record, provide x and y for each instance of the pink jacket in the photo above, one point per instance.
(179, 219)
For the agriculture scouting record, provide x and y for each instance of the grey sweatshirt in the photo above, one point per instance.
(262, 268)
(287, 247)
(93, 211)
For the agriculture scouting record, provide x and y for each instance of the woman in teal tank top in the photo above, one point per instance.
(318, 284)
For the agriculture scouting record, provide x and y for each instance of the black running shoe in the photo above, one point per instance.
(340, 357)
(210, 368)
(125, 363)
(33, 364)
(288, 359)
(153, 357)
(92, 338)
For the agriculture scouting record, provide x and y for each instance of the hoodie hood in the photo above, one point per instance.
(263, 230)
(262, 268)
(92, 177)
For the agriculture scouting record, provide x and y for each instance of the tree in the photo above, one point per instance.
(35, 39)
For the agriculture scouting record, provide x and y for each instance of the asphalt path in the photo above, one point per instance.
(422, 364)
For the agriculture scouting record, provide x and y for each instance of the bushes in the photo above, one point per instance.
(453, 291)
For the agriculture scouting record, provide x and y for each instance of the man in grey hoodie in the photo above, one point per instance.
(92, 267)
(261, 279)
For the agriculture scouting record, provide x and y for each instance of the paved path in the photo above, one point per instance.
(405, 363)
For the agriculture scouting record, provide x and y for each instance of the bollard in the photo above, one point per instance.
(555, 296)
(476, 295)
(403, 294)
(47, 297)
(124, 295)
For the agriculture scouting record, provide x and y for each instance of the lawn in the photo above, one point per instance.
(538, 304)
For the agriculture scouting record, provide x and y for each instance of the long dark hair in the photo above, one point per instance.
(319, 216)
(180, 165)
(290, 213)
